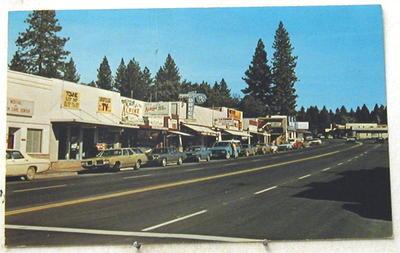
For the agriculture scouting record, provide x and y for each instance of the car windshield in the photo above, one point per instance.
(16, 155)
(110, 152)
(8, 155)
(221, 144)
(193, 149)
(160, 151)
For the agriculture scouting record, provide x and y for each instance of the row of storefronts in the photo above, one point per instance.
(66, 121)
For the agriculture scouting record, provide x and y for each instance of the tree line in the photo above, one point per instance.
(319, 120)
(269, 86)
(270, 89)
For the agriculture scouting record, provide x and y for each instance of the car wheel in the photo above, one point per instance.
(227, 156)
(30, 173)
(116, 167)
(247, 154)
(179, 161)
(198, 159)
(137, 165)
(208, 158)
(164, 162)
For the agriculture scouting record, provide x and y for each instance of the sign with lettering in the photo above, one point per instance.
(104, 105)
(156, 108)
(19, 107)
(71, 99)
(132, 111)
(234, 114)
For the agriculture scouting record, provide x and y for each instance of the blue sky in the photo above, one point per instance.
(340, 49)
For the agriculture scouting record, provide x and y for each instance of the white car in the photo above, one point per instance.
(316, 142)
(19, 164)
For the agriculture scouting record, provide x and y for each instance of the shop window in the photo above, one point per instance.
(34, 141)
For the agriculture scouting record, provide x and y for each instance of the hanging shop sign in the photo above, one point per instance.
(71, 99)
(19, 107)
(104, 105)
(156, 108)
(192, 98)
(132, 111)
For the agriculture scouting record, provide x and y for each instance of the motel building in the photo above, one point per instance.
(65, 121)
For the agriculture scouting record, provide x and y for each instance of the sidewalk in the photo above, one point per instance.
(61, 169)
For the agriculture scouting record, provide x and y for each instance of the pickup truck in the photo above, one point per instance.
(225, 149)
(197, 153)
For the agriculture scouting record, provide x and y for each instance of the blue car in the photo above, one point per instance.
(225, 149)
(198, 153)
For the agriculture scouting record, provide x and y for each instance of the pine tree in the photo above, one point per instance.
(131, 88)
(120, 76)
(17, 64)
(323, 119)
(258, 78)
(283, 73)
(92, 84)
(70, 73)
(251, 107)
(301, 115)
(167, 81)
(147, 82)
(365, 115)
(40, 48)
(104, 76)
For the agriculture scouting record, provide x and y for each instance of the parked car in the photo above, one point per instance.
(248, 150)
(380, 140)
(198, 153)
(315, 142)
(350, 139)
(115, 159)
(309, 138)
(285, 147)
(263, 148)
(273, 149)
(164, 156)
(19, 164)
(225, 149)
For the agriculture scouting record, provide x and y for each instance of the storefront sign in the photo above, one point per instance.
(132, 111)
(156, 108)
(234, 114)
(104, 105)
(192, 98)
(19, 107)
(71, 99)
(154, 122)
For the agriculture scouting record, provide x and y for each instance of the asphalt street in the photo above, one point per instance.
(336, 190)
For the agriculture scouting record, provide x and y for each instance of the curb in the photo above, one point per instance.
(56, 174)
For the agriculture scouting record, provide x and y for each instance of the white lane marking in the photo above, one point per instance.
(268, 189)
(356, 157)
(128, 233)
(41, 188)
(256, 160)
(194, 169)
(174, 220)
(127, 168)
(147, 175)
(326, 169)
(350, 160)
(339, 164)
(305, 176)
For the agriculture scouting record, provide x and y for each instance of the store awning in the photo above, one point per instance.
(202, 130)
(260, 133)
(179, 133)
(238, 133)
(89, 122)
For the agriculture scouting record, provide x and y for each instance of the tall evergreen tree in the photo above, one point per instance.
(251, 107)
(301, 115)
(39, 47)
(365, 115)
(104, 76)
(132, 87)
(283, 73)
(258, 78)
(147, 82)
(120, 76)
(323, 119)
(167, 81)
(17, 64)
(70, 73)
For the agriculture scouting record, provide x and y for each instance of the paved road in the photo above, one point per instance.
(332, 191)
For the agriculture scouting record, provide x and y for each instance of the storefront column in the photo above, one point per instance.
(180, 143)
(80, 141)
(68, 143)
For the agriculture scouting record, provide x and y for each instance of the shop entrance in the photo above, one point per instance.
(12, 131)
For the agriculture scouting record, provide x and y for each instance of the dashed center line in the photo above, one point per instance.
(147, 175)
(350, 160)
(194, 169)
(308, 175)
(268, 189)
(41, 188)
(174, 220)
(326, 169)
(339, 164)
